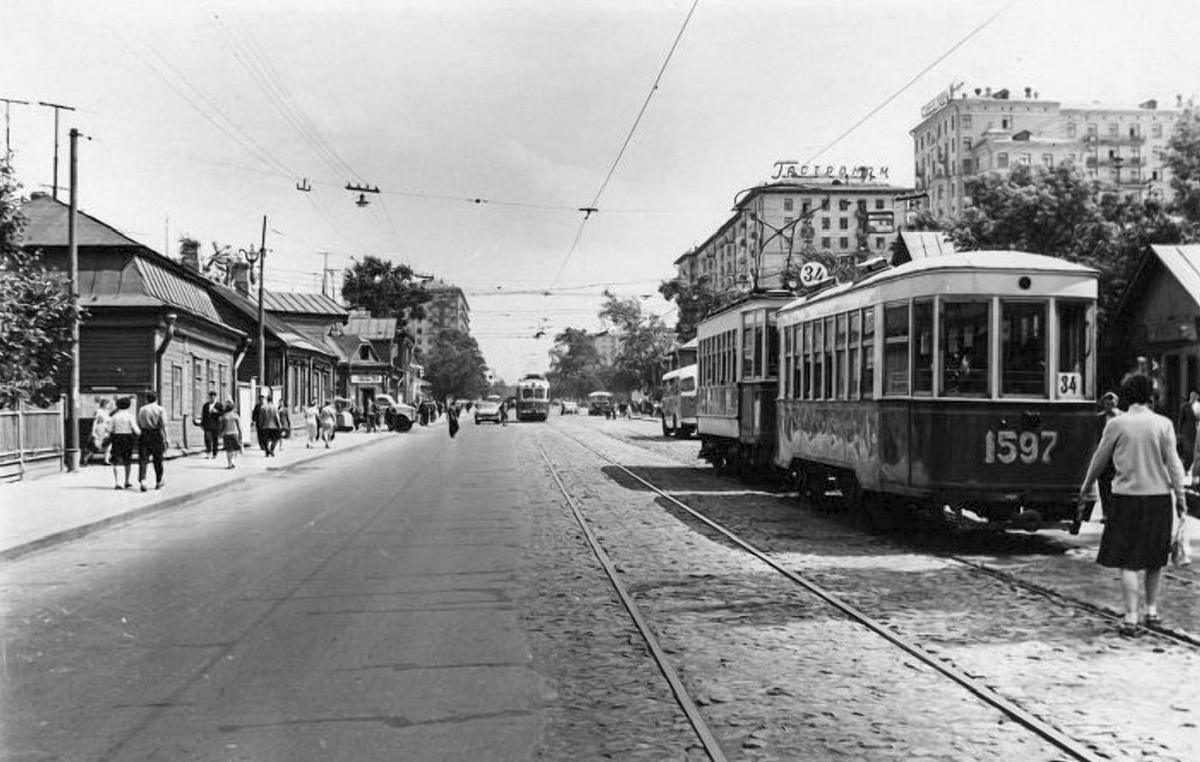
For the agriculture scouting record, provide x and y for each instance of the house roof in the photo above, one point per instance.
(274, 325)
(302, 303)
(1183, 262)
(372, 328)
(46, 225)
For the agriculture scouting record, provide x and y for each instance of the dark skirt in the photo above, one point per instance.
(232, 442)
(122, 449)
(1137, 532)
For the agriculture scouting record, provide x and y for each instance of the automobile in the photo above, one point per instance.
(487, 410)
(570, 407)
(396, 415)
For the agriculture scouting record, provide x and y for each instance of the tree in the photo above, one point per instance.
(35, 313)
(383, 289)
(455, 366)
(646, 342)
(1183, 160)
(573, 364)
(694, 302)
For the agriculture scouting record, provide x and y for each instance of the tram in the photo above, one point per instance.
(679, 402)
(533, 397)
(600, 403)
(964, 381)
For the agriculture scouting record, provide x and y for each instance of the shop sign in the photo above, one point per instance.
(366, 379)
(795, 170)
(881, 222)
(1171, 330)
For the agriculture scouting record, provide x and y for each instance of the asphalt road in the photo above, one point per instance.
(359, 608)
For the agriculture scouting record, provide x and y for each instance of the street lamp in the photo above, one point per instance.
(253, 255)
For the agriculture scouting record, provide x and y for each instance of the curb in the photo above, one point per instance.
(175, 501)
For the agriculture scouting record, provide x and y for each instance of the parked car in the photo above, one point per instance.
(397, 416)
(487, 410)
(570, 407)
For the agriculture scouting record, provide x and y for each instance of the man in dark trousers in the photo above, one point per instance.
(152, 443)
(210, 422)
(254, 414)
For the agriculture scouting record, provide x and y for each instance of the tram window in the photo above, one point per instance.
(687, 384)
(842, 377)
(807, 351)
(895, 350)
(759, 359)
(868, 353)
(818, 359)
(747, 345)
(852, 361)
(830, 368)
(797, 363)
(1023, 348)
(772, 348)
(923, 346)
(1073, 349)
(964, 347)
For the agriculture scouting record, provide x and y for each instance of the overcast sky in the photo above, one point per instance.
(205, 115)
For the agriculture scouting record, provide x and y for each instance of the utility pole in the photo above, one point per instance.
(8, 126)
(73, 290)
(57, 108)
(324, 272)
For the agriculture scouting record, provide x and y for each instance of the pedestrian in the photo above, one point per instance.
(452, 419)
(1185, 428)
(262, 440)
(102, 430)
(125, 431)
(312, 425)
(152, 442)
(268, 424)
(210, 423)
(230, 428)
(1147, 486)
(504, 413)
(328, 418)
(285, 424)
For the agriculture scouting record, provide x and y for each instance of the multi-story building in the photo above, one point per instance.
(847, 218)
(606, 343)
(964, 134)
(447, 309)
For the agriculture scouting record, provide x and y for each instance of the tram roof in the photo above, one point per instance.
(962, 261)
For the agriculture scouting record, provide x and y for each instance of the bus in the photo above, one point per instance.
(533, 397)
(599, 403)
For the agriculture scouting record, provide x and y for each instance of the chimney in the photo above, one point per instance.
(1178, 102)
(1028, 93)
(977, 91)
(189, 253)
(241, 277)
(987, 93)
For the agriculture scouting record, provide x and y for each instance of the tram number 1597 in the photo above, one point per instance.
(1007, 446)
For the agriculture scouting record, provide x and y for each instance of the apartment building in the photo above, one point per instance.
(963, 134)
(447, 309)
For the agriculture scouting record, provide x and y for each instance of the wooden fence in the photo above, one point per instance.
(31, 438)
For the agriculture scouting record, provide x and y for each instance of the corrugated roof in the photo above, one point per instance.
(172, 289)
(377, 329)
(302, 303)
(1183, 262)
(46, 225)
(276, 326)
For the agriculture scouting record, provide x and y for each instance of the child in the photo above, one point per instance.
(231, 432)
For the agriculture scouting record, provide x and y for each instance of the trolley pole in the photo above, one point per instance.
(72, 449)
(57, 108)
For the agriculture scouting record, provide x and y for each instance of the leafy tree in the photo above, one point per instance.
(694, 302)
(646, 341)
(383, 289)
(455, 366)
(573, 364)
(35, 313)
(1183, 159)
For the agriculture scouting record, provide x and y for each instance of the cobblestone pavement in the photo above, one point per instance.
(1130, 699)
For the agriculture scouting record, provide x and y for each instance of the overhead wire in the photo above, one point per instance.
(595, 205)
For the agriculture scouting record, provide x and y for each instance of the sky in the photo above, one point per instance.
(487, 124)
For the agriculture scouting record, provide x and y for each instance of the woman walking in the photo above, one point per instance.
(125, 433)
(231, 432)
(452, 418)
(101, 430)
(1147, 487)
(311, 423)
(328, 422)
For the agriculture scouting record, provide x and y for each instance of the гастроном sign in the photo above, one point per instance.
(861, 173)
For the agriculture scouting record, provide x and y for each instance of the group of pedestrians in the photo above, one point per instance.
(1146, 502)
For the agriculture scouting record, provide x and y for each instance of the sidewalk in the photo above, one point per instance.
(61, 507)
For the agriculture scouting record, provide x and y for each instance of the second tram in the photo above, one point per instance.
(533, 397)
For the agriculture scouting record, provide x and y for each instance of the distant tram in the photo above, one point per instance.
(678, 408)
(965, 380)
(533, 397)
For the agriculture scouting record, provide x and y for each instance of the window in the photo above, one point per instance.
(1002, 160)
(1070, 129)
(787, 204)
(968, 166)
(1047, 160)
(364, 352)
(879, 203)
(854, 338)
(843, 205)
(895, 349)
(824, 223)
(922, 322)
(222, 384)
(818, 337)
(1091, 129)
(830, 368)
(1073, 350)
(806, 207)
(1004, 122)
(844, 242)
(177, 391)
(879, 242)
(825, 242)
(1023, 348)
(806, 361)
(1156, 130)
(1114, 129)
(964, 347)
(966, 121)
(772, 349)
(842, 373)
(198, 391)
(868, 353)
(1024, 158)
(843, 223)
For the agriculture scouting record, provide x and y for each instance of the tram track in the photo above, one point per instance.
(964, 677)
